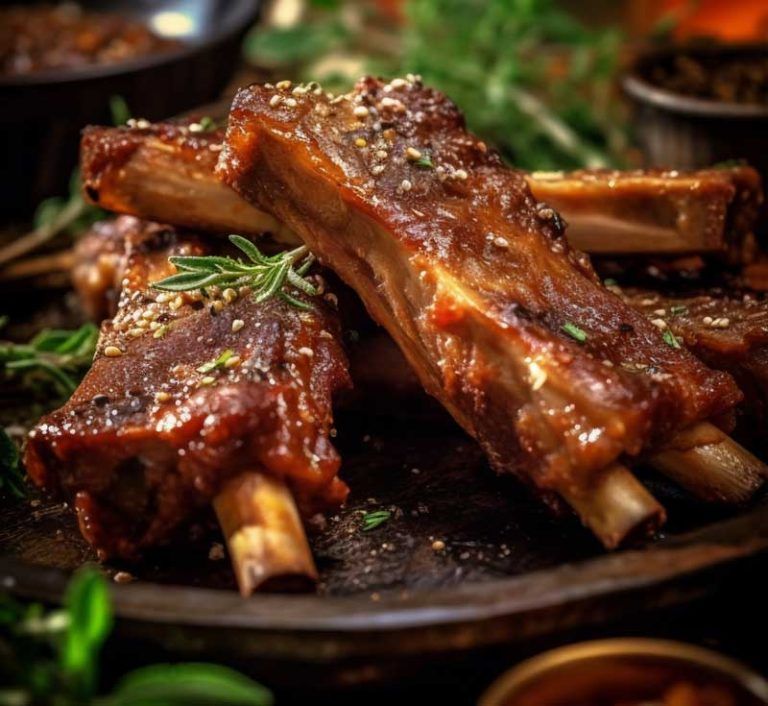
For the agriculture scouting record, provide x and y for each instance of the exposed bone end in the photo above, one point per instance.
(616, 507)
(265, 536)
(708, 463)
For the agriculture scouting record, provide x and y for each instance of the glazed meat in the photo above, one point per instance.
(163, 172)
(656, 212)
(185, 393)
(729, 332)
(509, 328)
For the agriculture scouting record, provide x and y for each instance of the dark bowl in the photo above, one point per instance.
(680, 131)
(44, 112)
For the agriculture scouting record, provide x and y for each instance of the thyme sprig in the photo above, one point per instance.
(280, 275)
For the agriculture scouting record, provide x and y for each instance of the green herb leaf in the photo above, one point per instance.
(574, 331)
(280, 275)
(217, 363)
(609, 282)
(53, 361)
(11, 474)
(678, 310)
(188, 685)
(424, 162)
(208, 124)
(120, 111)
(89, 607)
(371, 520)
(670, 339)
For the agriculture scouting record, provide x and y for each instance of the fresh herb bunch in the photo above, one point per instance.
(371, 520)
(52, 659)
(531, 79)
(267, 275)
(51, 365)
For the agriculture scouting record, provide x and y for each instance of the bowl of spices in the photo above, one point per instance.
(628, 672)
(64, 65)
(698, 105)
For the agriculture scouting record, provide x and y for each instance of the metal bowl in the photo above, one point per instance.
(621, 670)
(680, 131)
(45, 111)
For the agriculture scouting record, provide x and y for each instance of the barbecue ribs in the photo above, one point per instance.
(185, 393)
(509, 328)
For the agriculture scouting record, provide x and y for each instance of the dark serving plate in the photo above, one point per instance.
(44, 112)
(388, 600)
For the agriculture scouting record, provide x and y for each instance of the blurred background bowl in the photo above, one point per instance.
(43, 112)
(629, 670)
(682, 131)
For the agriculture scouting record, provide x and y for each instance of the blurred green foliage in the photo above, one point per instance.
(531, 79)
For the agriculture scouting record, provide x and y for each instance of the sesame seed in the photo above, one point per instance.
(725, 322)
(275, 100)
(660, 312)
(283, 85)
(398, 83)
(381, 154)
(162, 396)
(377, 169)
(162, 298)
(412, 153)
(291, 102)
(195, 127)
(208, 380)
(306, 351)
(461, 174)
(406, 185)
(112, 352)
(176, 303)
(135, 332)
(217, 306)
(361, 111)
(232, 362)
(360, 142)
(237, 324)
(500, 242)
(659, 323)
(229, 295)
(438, 545)
(154, 325)
(707, 320)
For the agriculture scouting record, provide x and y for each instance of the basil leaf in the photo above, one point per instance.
(90, 621)
(188, 685)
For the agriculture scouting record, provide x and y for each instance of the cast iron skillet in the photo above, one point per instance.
(44, 112)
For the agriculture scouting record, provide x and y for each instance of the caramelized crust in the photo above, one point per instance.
(656, 211)
(470, 275)
(155, 430)
(164, 172)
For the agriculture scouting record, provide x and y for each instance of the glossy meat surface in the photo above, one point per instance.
(504, 324)
(656, 211)
(164, 172)
(157, 426)
(726, 330)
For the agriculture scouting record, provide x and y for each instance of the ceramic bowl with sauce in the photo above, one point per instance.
(628, 672)
(48, 99)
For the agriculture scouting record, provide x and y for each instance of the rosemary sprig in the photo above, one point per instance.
(53, 360)
(268, 276)
(371, 520)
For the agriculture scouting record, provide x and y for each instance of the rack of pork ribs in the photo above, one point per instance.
(563, 381)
